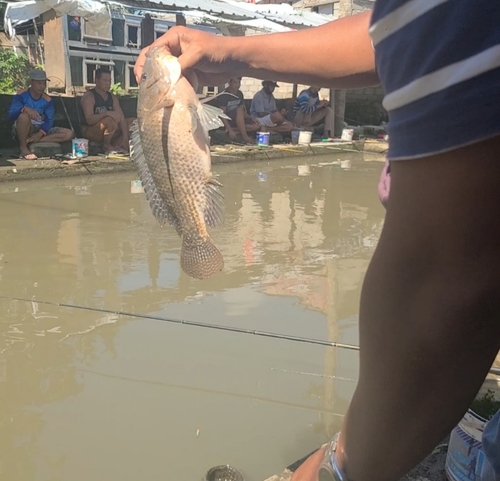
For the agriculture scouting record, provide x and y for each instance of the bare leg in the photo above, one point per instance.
(109, 128)
(240, 123)
(23, 126)
(62, 136)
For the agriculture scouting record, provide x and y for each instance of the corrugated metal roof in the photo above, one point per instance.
(213, 7)
(306, 19)
(284, 14)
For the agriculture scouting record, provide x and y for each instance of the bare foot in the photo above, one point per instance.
(26, 154)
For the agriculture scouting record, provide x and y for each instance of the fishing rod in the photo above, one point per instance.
(239, 330)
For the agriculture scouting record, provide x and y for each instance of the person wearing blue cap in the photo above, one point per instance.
(32, 112)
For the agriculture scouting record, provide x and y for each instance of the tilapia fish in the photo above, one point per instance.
(171, 150)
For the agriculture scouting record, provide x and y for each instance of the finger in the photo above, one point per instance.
(139, 64)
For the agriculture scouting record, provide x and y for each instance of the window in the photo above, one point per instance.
(100, 35)
(118, 32)
(132, 83)
(132, 36)
(91, 65)
(76, 71)
(119, 71)
(74, 28)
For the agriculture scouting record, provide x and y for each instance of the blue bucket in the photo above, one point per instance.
(263, 139)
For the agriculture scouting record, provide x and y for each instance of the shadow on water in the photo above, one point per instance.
(149, 400)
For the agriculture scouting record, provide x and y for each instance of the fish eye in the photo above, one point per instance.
(144, 76)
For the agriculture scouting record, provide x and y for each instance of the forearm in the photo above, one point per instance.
(429, 332)
(336, 55)
(95, 118)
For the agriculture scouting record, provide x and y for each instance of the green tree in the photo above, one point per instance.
(14, 71)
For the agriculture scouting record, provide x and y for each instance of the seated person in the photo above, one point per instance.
(263, 110)
(233, 105)
(104, 118)
(32, 111)
(309, 110)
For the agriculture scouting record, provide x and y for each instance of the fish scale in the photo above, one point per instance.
(170, 148)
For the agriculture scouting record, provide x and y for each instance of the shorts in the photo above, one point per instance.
(439, 66)
(491, 448)
(265, 121)
(34, 129)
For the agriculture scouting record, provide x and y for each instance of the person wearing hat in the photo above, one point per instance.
(32, 112)
(263, 109)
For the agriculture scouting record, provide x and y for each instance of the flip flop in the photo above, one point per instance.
(25, 157)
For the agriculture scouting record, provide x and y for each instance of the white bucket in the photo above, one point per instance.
(80, 147)
(347, 134)
(305, 137)
(295, 136)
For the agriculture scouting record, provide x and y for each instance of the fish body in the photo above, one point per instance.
(170, 147)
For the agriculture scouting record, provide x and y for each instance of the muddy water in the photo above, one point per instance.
(88, 395)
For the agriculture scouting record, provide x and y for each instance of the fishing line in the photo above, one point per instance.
(239, 330)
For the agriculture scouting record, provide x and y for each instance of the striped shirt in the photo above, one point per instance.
(439, 65)
(306, 102)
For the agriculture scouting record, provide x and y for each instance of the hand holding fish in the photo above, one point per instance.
(198, 51)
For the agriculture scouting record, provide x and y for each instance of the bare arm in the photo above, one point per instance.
(430, 312)
(336, 55)
(87, 104)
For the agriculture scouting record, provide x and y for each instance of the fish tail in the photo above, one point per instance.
(200, 257)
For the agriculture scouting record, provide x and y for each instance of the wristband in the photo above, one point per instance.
(329, 469)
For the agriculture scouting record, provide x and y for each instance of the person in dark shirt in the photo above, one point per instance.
(105, 120)
(32, 112)
(232, 103)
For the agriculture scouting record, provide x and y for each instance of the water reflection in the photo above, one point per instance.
(291, 234)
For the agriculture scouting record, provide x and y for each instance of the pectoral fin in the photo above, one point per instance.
(210, 116)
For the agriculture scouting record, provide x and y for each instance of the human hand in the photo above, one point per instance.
(283, 112)
(323, 103)
(32, 113)
(116, 116)
(196, 50)
(231, 132)
(34, 138)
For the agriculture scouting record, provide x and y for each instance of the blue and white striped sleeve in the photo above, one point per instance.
(439, 65)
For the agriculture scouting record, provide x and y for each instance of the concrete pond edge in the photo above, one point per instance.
(13, 169)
